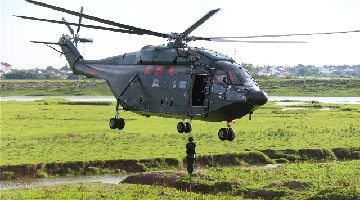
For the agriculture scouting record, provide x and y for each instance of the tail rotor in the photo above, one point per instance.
(76, 36)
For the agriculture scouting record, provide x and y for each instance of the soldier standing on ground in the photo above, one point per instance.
(190, 151)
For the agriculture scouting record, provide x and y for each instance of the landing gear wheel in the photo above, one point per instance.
(231, 134)
(181, 127)
(121, 124)
(114, 123)
(223, 134)
(188, 128)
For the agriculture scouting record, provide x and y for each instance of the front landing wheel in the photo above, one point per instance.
(188, 128)
(231, 134)
(223, 134)
(181, 127)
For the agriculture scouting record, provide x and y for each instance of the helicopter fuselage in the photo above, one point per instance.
(159, 80)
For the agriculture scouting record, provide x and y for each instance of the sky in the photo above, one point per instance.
(236, 18)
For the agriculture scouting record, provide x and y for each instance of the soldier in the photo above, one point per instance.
(190, 151)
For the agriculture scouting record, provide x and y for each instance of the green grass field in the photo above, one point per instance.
(311, 87)
(337, 180)
(58, 130)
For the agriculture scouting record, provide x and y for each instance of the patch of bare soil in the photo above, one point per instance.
(292, 184)
(169, 179)
(157, 178)
(266, 194)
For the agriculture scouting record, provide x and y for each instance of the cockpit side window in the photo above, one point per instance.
(235, 78)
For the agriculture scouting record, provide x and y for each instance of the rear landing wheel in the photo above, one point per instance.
(114, 123)
(117, 123)
(121, 124)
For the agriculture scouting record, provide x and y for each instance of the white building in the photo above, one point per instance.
(5, 68)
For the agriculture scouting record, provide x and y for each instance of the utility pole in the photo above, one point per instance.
(235, 54)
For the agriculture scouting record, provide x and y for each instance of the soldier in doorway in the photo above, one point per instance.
(190, 151)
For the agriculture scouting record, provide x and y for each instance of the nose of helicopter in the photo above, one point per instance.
(257, 98)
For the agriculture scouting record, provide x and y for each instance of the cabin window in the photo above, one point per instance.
(140, 100)
(162, 102)
(156, 83)
(182, 84)
(174, 84)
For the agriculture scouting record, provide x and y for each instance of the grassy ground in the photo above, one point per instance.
(290, 181)
(58, 130)
(54, 88)
(311, 87)
(294, 181)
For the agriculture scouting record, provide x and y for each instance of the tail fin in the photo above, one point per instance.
(71, 53)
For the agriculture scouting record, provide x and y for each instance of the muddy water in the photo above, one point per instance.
(104, 178)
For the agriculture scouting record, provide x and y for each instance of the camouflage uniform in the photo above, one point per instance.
(190, 158)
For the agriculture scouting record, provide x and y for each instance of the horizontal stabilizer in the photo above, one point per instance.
(49, 43)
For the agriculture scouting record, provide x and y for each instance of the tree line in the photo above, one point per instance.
(48, 73)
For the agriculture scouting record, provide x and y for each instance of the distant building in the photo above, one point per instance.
(6, 67)
(264, 73)
(65, 73)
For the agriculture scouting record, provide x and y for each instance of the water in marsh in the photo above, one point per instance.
(104, 178)
(342, 100)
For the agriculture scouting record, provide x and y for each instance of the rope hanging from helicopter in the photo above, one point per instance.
(61, 53)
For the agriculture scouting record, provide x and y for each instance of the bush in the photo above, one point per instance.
(41, 173)
(355, 155)
(341, 153)
(282, 160)
(7, 175)
(335, 194)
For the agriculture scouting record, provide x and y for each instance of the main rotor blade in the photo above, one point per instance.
(199, 22)
(296, 34)
(69, 27)
(48, 42)
(123, 26)
(222, 40)
(85, 39)
(83, 25)
(80, 18)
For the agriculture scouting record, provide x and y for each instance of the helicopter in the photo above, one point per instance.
(172, 80)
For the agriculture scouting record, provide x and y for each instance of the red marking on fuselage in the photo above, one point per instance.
(171, 70)
(159, 70)
(147, 71)
(92, 71)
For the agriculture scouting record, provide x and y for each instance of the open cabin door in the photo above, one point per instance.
(200, 94)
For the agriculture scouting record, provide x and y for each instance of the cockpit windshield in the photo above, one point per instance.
(233, 84)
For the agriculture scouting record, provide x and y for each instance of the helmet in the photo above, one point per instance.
(190, 139)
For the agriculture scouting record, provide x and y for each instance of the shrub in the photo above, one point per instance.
(41, 173)
(335, 194)
(282, 160)
(355, 155)
(341, 153)
(7, 175)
